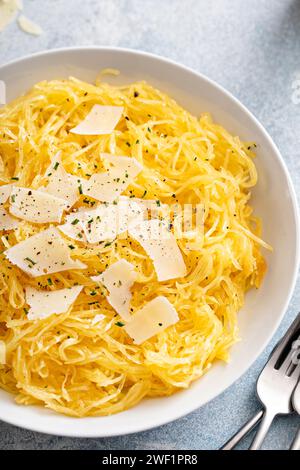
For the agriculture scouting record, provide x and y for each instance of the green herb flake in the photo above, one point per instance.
(30, 261)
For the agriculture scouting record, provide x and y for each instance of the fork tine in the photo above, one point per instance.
(279, 348)
(296, 373)
(288, 361)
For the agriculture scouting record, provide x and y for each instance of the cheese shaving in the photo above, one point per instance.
(153, 318)
(5, 191)
(103, 223)
(76, 232)
(28, 26)
(61, 183)
(130, 211)
(101, 120)
(118, 280)
(43, 304)
(36, 206)
(161, 246)
(6, 221)
(109, 185)
(98, 224)
(8, 12)
(42, 254)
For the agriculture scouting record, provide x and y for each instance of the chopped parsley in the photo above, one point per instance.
(30, 261)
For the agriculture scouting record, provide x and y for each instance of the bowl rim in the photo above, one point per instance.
(189, 408)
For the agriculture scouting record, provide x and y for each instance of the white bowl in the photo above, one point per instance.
(273, 198)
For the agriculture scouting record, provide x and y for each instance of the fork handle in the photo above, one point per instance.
(263, 430)
(243, 431)
(296, 442)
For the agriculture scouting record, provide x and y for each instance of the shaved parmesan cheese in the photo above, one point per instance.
(43, 253)
(118, 280)
(2, 352)
(6, 221)
(145, 205)
(36, 206)
(2, 92)
(8, 12)
(97, 319)
(75, 232)
(155, 207)
(61, 183)
(100, 120)
(43, 304)
(29, 26)
(151, 319)
(125, 163)
(103, 223)
(161, 246)
(109, 185)
(98, 224)
(129, 212)
(5, 191)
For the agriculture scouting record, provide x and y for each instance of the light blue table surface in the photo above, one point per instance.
(252, 48)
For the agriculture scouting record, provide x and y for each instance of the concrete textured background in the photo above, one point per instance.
(252, 48)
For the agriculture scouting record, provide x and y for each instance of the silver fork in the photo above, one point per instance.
(296, 405)
(275, 386)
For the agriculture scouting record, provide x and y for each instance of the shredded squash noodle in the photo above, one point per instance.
(82, 362)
